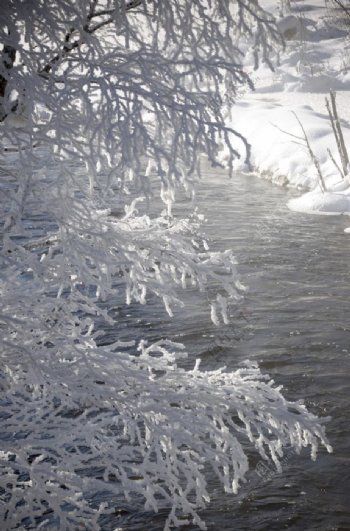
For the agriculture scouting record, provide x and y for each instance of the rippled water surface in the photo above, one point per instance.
(295, 321)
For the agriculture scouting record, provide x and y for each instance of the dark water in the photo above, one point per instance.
(295, 321)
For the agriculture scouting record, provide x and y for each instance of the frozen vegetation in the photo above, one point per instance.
(106, 108)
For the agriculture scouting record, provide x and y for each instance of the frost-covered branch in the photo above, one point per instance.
(108, 108)
(147, 426)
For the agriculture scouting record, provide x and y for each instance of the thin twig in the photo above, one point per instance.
(335, 163)
(342, 148)
(342, 6)
(331, 118)
(312, 155)
(287, 132)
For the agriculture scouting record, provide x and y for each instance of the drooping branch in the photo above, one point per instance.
(9, 52)
(127, 123)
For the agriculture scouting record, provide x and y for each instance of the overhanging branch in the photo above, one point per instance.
(69, 46)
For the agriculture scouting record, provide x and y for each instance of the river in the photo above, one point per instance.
(294, 321)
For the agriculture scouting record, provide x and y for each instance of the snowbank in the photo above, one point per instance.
(313, 63)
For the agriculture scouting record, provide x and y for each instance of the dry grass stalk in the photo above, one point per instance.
(335, 163)
(338, 133)
(312, 156)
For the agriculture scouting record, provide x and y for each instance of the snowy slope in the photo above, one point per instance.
(316, 59)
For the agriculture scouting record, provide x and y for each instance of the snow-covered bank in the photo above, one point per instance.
(315, 60)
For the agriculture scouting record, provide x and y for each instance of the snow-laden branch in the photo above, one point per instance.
(147, 426)
(107, 108)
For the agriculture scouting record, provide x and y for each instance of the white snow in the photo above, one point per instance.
(316, 59)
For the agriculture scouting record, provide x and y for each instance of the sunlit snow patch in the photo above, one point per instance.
(317, 202)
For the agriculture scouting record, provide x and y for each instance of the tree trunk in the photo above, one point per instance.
(7, 60)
